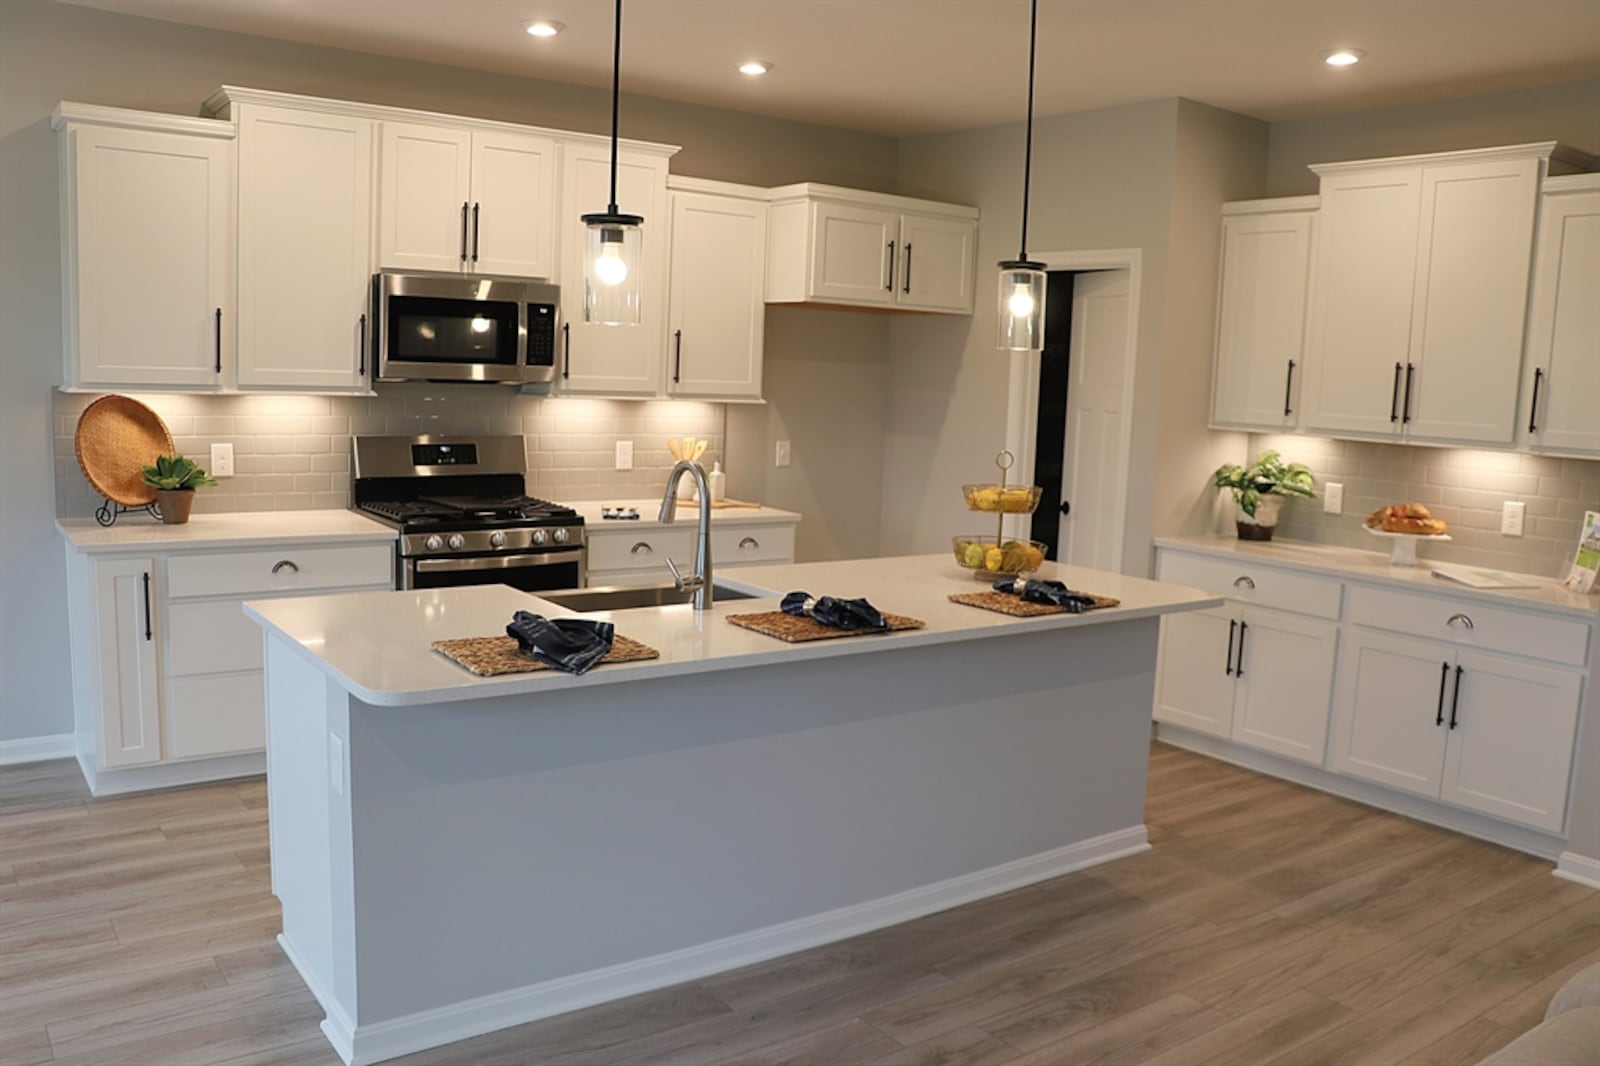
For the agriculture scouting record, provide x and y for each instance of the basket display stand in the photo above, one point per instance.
(109, 511)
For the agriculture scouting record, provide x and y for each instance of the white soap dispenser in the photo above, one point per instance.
(718, 482)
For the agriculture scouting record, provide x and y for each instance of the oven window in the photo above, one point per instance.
(426, 329)
(540, 577)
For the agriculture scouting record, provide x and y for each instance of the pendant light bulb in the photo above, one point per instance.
(1021, 304)
(613, 293)
(610, 268)
(1022, 281)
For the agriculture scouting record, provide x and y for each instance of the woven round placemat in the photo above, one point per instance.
(796, 629)
(489, 656)
(116, 436)
(1005, 603)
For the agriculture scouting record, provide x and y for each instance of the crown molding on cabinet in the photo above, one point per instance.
(1571, 183)
(811, 190)
(683, 183)
(115, 117)
(1277, 206)
(1554, 151)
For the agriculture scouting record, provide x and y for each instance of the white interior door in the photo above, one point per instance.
(1092, 482)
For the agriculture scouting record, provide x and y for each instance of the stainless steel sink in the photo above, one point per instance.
(621, 599)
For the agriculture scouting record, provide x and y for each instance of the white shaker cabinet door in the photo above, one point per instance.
(513, 205)
(854, 253)
(1470, 308)
(305, 248)
(130, 708)
(716, 313)
(1261, 317)
(1561, 388)
(1194, 680)
(937, 257)
(1390, 703)
(1284, 683)
(424, 197)
(1511, 728)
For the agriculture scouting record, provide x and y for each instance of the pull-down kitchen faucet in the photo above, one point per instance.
(700, 583)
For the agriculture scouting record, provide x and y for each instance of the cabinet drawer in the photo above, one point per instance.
(1247, 582)
(216, 715)
(211, 637)
(642, 549)
(752, 544)
(1476, 625)
(280, 570)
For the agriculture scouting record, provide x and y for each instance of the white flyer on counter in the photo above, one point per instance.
(1587, 563)
(1483, 579)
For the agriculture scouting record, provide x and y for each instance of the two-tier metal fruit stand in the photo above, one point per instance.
(1000, 558)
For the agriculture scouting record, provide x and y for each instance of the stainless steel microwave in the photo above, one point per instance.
(463, 327)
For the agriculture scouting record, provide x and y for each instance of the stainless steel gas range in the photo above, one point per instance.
(463, 516)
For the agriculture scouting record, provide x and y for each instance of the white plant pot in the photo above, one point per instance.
(1261, 525)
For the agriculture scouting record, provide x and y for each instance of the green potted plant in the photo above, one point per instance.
(1258, 490)
(175, 478)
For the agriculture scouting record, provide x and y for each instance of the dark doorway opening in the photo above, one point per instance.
(1050, 436)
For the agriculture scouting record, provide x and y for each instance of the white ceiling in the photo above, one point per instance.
(902, 67)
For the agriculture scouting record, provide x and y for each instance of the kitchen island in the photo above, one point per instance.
(456, 854)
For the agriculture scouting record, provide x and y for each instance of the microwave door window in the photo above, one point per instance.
(453, 331)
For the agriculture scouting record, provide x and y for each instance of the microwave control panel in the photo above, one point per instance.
(541, 335)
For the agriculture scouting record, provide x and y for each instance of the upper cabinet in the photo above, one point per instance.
(478, 201)
(1261, 312)
(715, 310)
(1561, 383)
(147, 234)
(843, 246)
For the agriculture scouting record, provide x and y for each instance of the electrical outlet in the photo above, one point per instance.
(782, 457)
(1511, 516)
(221, 460)
(624, 455)
(1333, 498)
(336, 764)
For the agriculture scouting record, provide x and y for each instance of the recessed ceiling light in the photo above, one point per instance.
(543, 27)
(754, 67)
(1343, 57)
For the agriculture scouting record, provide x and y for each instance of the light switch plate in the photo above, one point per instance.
(624, 455)
(1512, 513)
(221, 460)
(336, 764)
(1333, 497)
(782, 457)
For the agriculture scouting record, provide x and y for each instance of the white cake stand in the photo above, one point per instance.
(1404, 551)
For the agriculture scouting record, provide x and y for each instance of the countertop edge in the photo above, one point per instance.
(156, 537)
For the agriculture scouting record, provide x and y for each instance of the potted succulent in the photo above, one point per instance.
(1258, 490)
(175, 478)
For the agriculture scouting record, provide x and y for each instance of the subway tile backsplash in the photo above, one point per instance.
(293, 452)
(1464, 487)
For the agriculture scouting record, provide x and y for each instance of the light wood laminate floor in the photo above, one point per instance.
(1269, 925)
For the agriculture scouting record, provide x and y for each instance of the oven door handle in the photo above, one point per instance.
(496, 562)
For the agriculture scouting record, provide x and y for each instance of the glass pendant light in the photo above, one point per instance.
(1021, 279)
(613, 250)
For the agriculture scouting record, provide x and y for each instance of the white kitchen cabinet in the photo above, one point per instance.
(305, 248)
(1561, 383)
(1261, 313)
(147, 248)
(1283, 682)
(623, 554)
(1194, 686)
(604, 360)
(843, 246)
(479, 201)
(119, 641)
(1391, 709)
(716, 315)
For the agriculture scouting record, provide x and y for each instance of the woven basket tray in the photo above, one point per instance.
(116, 436)
(1005, 603)
(490, 656)
(796, 629)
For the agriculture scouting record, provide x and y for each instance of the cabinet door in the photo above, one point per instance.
(612, 360)
(1284, 683)
(716, 315)
(1261, 318)
(148, 253)
(1388, 699)
(853, 253)
(130, 710)
(1510, 753)
(513, 205)
(1473, 255)
(1194, 680)
(936, 263)
(1564, 331)
(424, 197)
(1361, 301)
(305, 248)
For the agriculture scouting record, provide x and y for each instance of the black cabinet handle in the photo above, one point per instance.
(1444, 674)
(889, 287)
(474, 234)
(219, 339)
(147, 632)
(566, 354)
(677, 356)
(1233, 626)
(1455, 700)
(464, 231)
(905, 282)
(1410, 369)
(1288, 389)
(1238, 670)
(361, 357)
(1533, 408)
(1394, 397)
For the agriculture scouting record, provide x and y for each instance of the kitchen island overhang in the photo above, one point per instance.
(453, 865)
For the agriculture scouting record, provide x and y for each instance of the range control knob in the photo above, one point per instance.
(456, 541)
(497, 539)
(433, 543)
(539, 536)
(559, 536)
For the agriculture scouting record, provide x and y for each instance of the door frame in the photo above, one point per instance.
(1022, 400)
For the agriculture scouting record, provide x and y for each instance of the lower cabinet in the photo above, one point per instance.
(120, 672)
(624, 557)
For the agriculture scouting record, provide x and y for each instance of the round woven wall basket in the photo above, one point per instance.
(116, 436)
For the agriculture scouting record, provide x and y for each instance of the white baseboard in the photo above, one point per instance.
(1571, 866)
(170, 775)
(36, 749)
(380, 1041)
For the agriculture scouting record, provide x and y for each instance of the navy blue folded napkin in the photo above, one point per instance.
(834, 612)
(570, 644)
(1054, 593)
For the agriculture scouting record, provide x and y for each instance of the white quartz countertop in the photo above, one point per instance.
(687, 511)
(1546, 593)
(378, 645)
(243, 529)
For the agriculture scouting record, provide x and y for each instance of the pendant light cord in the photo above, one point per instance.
(616, 82)
(1027, 164)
